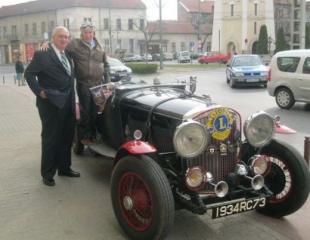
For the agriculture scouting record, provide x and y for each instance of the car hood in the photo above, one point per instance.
(120, 68)
(260, 68)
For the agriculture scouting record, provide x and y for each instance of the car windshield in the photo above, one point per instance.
(113, 62)
(246, 61)
(184, 53)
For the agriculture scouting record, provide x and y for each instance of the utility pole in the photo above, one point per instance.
(302, 24)
(110, 31)
(160, 36)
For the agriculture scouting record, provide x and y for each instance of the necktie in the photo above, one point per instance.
(65, 63)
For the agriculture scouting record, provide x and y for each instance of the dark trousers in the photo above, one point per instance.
(57, 136)
(88, 113)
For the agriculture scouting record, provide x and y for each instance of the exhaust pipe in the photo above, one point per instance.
(220, 189)
(257, 182)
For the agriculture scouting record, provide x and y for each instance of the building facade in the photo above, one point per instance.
(237, 23)
(190, 32)
(24, 26)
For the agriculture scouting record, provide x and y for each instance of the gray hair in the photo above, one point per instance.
(58, 29)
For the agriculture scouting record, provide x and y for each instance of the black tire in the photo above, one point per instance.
(78, 147)
(288, 177)
(284, 98)
(146, 178)
(232, 83)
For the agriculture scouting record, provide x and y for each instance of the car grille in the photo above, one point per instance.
(214, 159)
(252, 74)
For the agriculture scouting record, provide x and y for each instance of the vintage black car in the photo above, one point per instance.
(175, 150)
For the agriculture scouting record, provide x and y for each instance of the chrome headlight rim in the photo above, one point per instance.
(203, 145)
(247, 125)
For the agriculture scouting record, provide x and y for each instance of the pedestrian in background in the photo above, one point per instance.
(50, 75)
(19, 68)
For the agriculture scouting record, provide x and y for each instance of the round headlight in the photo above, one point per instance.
(259, 129)
(260, 165)
(194, 177)
(190, 139)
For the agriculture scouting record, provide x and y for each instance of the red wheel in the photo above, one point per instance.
(142, 198)
(136, 201)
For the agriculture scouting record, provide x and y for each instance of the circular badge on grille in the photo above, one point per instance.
(220, 123)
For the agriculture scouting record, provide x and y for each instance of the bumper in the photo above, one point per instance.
(118, 77)
(249, 81)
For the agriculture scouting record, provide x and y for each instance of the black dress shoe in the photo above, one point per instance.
(49, 182)
(69, 173)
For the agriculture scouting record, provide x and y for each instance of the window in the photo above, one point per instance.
(67, 23)
(106, 24)
(14, 30)
(34, 29)
(43, 27)
(119, 43)
(26, 30)
(173, 47)
(87, 19)
(142, 24)
(130, 24)
(4, 32)
(306, 67)
(255, 9)
(255, 28)
(131, 45)
(288, 64)
(52, 25)
(118, 24)
(183, 46)
(231, 10)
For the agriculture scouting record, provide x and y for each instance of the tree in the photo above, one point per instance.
(307, 36)
(262, 45)
(281, 44)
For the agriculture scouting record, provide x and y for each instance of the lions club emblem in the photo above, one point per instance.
(220, 123)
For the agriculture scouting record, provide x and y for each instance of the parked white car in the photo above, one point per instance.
(289, 77)
(184, 56)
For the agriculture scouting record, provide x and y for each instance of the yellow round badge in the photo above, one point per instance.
(220, 123)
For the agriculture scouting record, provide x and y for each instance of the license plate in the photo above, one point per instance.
(252, 80)
(238, 207)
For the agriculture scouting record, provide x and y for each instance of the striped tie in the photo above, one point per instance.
(65, 63)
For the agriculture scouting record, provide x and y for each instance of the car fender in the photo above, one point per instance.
(134, 147)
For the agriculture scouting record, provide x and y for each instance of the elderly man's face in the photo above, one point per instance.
(87, 34)
(61, 39)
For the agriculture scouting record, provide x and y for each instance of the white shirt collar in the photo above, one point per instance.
(57, 51)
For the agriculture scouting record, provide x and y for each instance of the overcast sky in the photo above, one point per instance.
(169, 7)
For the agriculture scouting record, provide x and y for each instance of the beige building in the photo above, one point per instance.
(24, 26)
(237, 23)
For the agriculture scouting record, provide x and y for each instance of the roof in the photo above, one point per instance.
(193, 6)
(294, 53)
(174, 27)
(51, 5)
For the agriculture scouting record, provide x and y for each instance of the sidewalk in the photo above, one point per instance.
(81, 209)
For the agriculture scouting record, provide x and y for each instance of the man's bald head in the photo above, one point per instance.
(60, 37)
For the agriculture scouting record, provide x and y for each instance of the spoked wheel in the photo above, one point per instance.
(284, 98)
(78, 147)
(287, 177)
(142, 199)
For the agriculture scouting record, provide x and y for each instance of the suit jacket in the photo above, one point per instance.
(46, 72)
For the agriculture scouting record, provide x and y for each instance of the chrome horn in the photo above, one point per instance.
(257, 182)
(220, 189)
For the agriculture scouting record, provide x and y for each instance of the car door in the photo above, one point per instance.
(303, 79)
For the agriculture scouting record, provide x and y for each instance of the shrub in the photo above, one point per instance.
(262, 46)
(143, 68)
(281, 44)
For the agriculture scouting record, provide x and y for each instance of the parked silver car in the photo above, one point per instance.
(118, 71)
(289, 77)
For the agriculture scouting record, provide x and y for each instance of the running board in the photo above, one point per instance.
(103, 150)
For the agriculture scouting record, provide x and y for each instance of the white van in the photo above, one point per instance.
(184, 56)
(289, 77)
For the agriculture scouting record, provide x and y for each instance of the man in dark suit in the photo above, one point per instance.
(50, 77)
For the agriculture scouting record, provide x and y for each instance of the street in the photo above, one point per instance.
(81, 208)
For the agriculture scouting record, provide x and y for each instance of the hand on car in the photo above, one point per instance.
(43, 94)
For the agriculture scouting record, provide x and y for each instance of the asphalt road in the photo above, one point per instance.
(81, 208)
